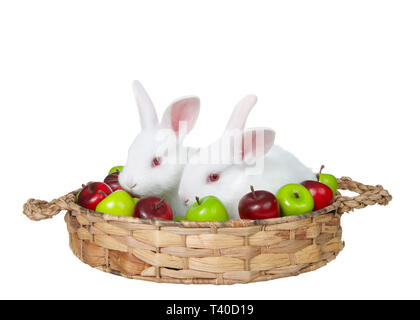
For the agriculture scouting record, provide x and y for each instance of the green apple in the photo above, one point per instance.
(294, 199)
(328, 179)
(115, 169)
(180, 218)
(118, 203)
(208, 208)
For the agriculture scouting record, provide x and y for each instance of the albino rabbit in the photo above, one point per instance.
(153, 166)
(231, 180)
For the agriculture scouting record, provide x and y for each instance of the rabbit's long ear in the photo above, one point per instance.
(256, 142)
(147, 112)
(181, 115)
(240, 113)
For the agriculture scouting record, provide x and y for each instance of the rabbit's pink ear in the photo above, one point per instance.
(256, 143)
(240, 113)
(147, 112)
(181, 115)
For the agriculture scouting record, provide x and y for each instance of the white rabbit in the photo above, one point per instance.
(153, 168)
(230, 181)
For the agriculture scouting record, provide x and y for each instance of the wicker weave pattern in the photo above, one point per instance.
(205, 255)
(238, 251)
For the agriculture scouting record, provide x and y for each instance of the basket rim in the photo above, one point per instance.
(367, 195)
(231, 223)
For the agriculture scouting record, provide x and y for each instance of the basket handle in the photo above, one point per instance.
(368, 195)
(40, 209)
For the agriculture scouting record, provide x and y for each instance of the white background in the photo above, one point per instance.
(338, 81)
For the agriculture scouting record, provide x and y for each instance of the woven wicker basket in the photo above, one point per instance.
(236, 251)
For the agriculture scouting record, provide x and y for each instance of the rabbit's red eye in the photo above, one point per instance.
(156, 161)
(213, 177)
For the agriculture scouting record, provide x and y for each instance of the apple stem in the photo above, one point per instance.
(158, 204)
(296, 195)
(253, 192)
(117, 170)
(319, 173)
(198, 200)
(101, 192)
(90, 188)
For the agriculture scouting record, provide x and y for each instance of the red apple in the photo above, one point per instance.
(153, 208)
(258, 204)
(92, 194)
(322, 194)
(112, 181)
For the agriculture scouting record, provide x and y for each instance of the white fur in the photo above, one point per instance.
(280, 168)
(240, 113)
(138, 176)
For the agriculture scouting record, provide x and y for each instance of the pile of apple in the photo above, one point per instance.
(109, 197)
(290, 200)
